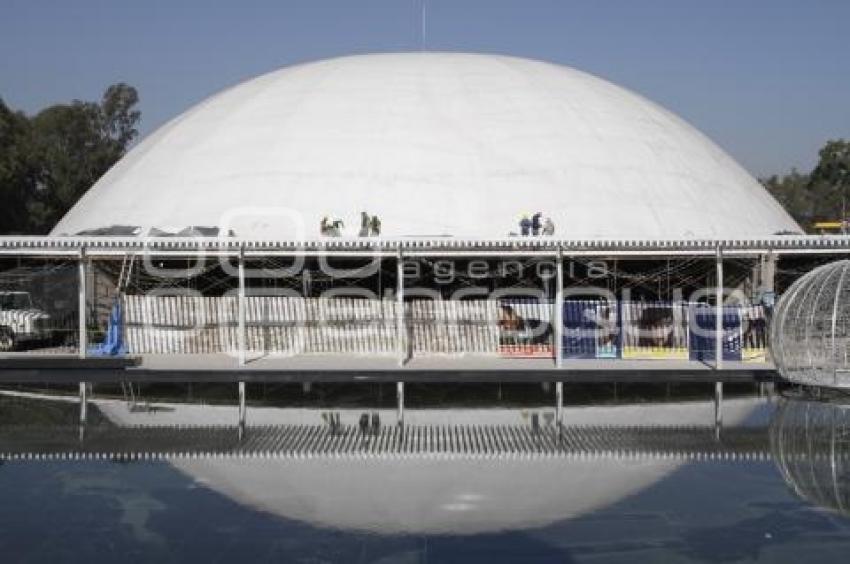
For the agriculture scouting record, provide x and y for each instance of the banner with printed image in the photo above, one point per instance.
(608, 330)
(525, 327)
(703, 331)
(753, 333)
(654, 330)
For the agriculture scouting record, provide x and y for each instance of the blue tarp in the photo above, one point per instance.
(580, 328)
(113, 344)
(585, 331)
(703, 330)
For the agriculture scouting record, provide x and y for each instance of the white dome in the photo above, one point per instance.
(434, 144)
(432, 494)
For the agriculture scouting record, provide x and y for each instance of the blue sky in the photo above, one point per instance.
(767, 79)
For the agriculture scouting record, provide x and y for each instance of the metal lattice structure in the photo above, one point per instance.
(810, 443)
(810, 333)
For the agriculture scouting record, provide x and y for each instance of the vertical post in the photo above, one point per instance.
(243, 411)
(835, 302)
(264, 328)
(836, 488)
(83, 330)
(718, 308)
(718, 408)
(306, 285)
(559, 403)
(84, 403)
(400, 321)
(558, 334)
(241, 307)
(767, 272)
(83, 333)
(399, 393)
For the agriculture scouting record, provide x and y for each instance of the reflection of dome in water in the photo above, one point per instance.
(810, 442)
(810, 333)
(427, 494)
(422, 495)
(435, 144)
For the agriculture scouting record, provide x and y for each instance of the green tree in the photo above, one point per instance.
(822, 195)
(15, 171)
(76, 144)
(792, 191)
(830, 181)
(119, 118)
(48, 161)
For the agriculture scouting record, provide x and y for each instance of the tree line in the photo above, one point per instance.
(820, 195)
(49, 160)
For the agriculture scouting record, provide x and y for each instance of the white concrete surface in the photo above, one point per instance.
(343, 362)
(436, 144)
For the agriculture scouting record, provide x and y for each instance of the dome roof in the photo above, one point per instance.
(435, 144)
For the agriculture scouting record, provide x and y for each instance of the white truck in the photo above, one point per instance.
(22, 325)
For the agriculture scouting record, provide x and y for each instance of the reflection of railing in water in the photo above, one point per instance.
(352, 441)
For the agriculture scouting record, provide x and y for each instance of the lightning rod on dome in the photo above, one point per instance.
(421, 25)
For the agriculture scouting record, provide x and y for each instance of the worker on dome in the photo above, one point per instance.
(330, 228)
(524, 225)
(375, 226)
(364, 224)
(535, 224)
(548, 227)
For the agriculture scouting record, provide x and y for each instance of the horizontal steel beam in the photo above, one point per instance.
(411, 375)
(417, 244)
(638, 254)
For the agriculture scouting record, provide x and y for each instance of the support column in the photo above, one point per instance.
(84, 402)
(558, 334)
(559, 404)
(718, 408)
(82, 269)
(718, 316)
(243, 410)
(835, 303)
(241, 308)
(399, 394)
(400, 321)
(767, 273)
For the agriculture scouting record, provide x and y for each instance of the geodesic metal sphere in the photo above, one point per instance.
(810, 332)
